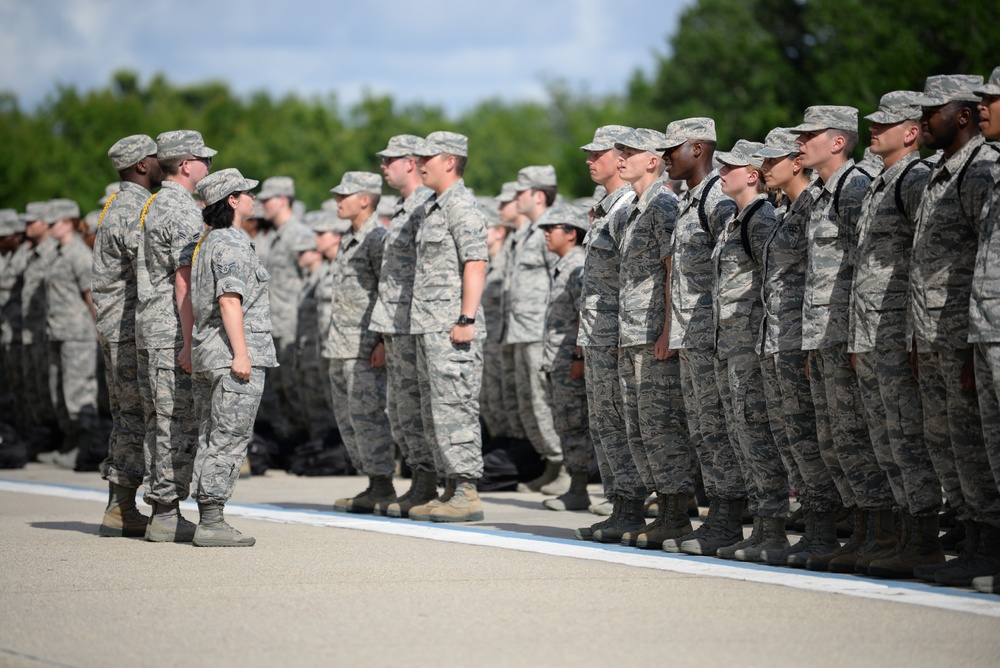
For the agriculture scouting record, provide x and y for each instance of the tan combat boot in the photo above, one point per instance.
(463, 506)
(121, 518)
(846, 554)
(423, 513)
(422, 490)
(380, 491)
(214, 531)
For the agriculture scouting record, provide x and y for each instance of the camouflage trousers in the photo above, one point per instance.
(741, 389)
(840, 425)
(125, 462)
(171, 428)
(714, 446)
(491, 396)
(313, 381)
(280, 404)
(359, 406)
(37, 397)
(403, 401)
(891, 399)
(790, 409)
(655, 424)
(6, 394)
(509, 389)
(451, 377)
(13, 358)
(73, 390)
(619, 474)
(227, 407)
(571, 415)
(988, 389)
(533, 404)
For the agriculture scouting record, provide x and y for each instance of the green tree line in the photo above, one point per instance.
(750, 64)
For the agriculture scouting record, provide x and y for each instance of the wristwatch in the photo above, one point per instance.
(465, 320)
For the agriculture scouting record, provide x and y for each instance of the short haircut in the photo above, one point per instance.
(549, 192)
(850, 139)
(170, 166)
(460, 162)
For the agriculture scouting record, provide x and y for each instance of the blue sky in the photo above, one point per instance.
(441, 52)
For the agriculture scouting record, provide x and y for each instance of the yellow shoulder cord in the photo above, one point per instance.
(105, 209)
(198, 247)
(142, 218)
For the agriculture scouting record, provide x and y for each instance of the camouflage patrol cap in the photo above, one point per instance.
(216, 187)
(941, 89)
(508, 193)
(536, 176)
(277, 186)
(35, 211)
(358, 182)
(697, 128)
(92, 219)
(743, 154)
(110, 190)
(778, 143)
(400, 146)
(492, 213)
(439, 142)
(126, 152)
(897, 106)
(387, 206)
(605, 138)
(182, 142)
(643, 139)
(10, 222)
(61, 209)
(326, 221)
(566, 214)
(992, 87)
(828, 117)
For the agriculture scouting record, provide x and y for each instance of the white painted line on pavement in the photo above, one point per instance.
(847, 585)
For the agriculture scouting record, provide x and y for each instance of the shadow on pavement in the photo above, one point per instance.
(324, 507)
(82, 527)
(533, 530)
(529, 504)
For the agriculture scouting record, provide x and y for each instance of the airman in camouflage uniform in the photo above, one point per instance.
(356, 354)
(507, 209)
(598, 336)
(941, 276)
(447, 288)
(689, 147)
(13, 259)
(562, 360)
(527, 295)
(491, 396)
(114, 293)
(878, 333)
(231, 348)
(738, 313)
(71, 336)
(984, 314)
(41, 413)
(652, 402)
(170, 226)
(391, 317)
(280, 405)
(783, 362)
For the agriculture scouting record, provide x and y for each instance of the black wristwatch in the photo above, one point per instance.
(465, 320)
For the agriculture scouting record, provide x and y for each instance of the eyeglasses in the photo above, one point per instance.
(207, 161)
(386, 161)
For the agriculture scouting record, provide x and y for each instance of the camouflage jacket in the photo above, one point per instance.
(832, 233)
(984, 305)
(40, 258)
(355, 274)
(67, 316)
(307, 348)
(286, 275)
(599, 299)
(11, 284)
(226, 262)
(493, 296)
(529, 283)
(563, 310)
(112, 280)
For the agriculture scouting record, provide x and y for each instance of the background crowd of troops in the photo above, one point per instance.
(740, 325)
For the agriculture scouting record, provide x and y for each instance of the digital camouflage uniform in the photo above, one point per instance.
(450, 375)
(114, 291)
(226, 263)
(945, 248)
(72, 341)
(703, 211)
(391, 317)
(11, 283)
(324, 315)
(652, 401)
(527, 295)
(311, 369)
(568, 395)
(41, 412)
(358, 389)
(508, 385)
(599, 339)
(738, 312)
(287, 241)
(491, 400)
(169, 232)
(878, 335)
(840, 424)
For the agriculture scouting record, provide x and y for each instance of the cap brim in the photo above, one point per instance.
(670, 142)
(808, 127)
(772, 152)
(988, 89)
(930, 101)
(727, 158)
(594, 146)
(340, 190)
(392, 154)
(203, 152)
